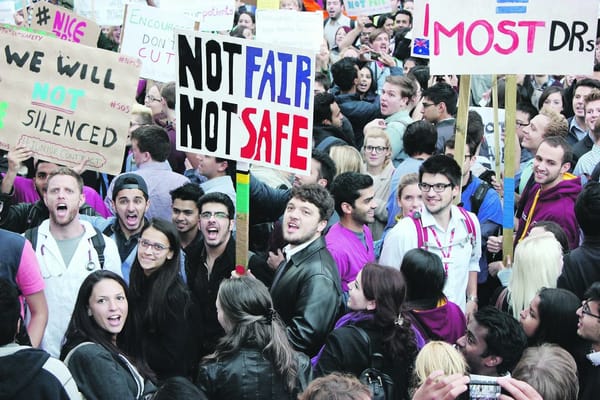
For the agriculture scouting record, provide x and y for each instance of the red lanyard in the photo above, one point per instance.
(446, 255)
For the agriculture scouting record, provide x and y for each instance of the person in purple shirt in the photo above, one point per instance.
(350, 241)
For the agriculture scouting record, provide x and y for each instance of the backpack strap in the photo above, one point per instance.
(478, 196)
(31, 234)
(422, 235)
(99, 245)
(470, 225)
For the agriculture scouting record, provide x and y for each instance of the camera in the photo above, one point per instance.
(483, 387)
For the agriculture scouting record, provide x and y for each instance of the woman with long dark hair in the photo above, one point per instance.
(375, 298)
(432, 314)
(254, 360)
(100, 368)
(160, 302)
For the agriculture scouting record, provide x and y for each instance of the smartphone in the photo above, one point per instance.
(374, 55)
(483, 387)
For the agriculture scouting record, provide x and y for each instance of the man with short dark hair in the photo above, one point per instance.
(350, 241)
(328, 123)
(306, 289)
(451, 233)
(589, 329)
(403, 19)
(439, 108)
(336, 20)
(218, 172)
(493, 343)
(216, 261)
(553, 195)
(27, 373)
(580, 268)
(150, 146)
(578, 130)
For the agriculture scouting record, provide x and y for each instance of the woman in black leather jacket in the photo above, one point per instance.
(375, 298)
(254, 360)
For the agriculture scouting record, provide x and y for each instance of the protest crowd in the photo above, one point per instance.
(378, 274)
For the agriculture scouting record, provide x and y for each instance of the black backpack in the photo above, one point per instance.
(97, 242)
(380, 383)
(478, 196)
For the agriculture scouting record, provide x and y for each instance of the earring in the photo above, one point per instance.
(89, 312)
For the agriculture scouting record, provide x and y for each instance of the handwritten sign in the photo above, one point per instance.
(498, 36)
(64, 101)
(244, 100)
(65, 24)
(213, 15)
(367, 7)
(148, 35)
(105, 12)
(306, 31)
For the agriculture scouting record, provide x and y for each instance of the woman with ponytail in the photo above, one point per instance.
(254, 360)
(375, 298)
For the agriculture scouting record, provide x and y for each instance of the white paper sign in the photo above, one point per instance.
(303, 30)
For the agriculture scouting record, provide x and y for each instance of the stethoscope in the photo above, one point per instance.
(90, 266)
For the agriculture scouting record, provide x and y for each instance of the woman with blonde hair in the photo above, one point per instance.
(537, 264)
(435, 356)
(377, 163)
(346, 158)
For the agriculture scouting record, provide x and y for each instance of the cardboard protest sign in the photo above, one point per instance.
(303, 30)
(105, 12)
(367, 7)
(244, 100)
(65, 24)
(64, 101)
(213, 15)
(513, 37)
(148, 35)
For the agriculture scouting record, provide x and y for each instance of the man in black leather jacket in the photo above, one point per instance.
(306, 289)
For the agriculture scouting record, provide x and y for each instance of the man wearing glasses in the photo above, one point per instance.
(444, 231)
(589, 329)
(216, 262)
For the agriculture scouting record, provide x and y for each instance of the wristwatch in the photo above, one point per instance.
(474, 299)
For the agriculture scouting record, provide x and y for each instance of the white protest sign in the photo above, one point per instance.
(104, 12)
(516, 37)
(213, 15)
(303, 30)
(7, 12)
(66, 102)
(245, 100)
(487, 115)
(367, 7)
(148, 35)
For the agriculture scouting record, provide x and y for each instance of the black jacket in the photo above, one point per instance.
(248, 375)
(308, 297)
(346, 351)
(580, 268)
(22, 216)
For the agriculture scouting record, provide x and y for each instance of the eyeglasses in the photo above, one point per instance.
(425, 105)
(152, 98)
(522, 124)
(156, 247)
(217, 214)
(467, 156)
(585, 309)
(437, 187)
(376, 149)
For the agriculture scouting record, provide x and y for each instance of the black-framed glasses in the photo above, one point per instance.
(376, 149)
(467, 156)
(425, 105)
(522, 124)
(216, 214)
(156, 247)
(437, 187)
(152, 99)
(585, 309)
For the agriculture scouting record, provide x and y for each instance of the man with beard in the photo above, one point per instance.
(216, 262)
(552, 197)
(185, 215)
(450, 232)
(306, 289)
(66, 253)
(350, 241)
